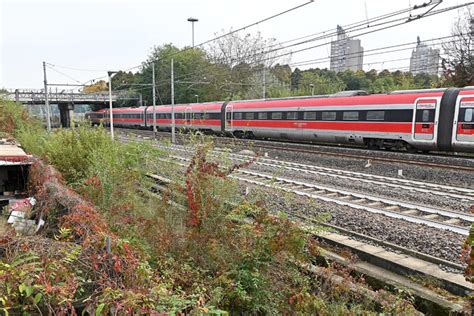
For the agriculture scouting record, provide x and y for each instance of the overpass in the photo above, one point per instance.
(67, 99)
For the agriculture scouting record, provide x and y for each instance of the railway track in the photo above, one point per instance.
(391, 264)
(405, 184)
(443, 219)
(329, 151)
(447, 220)
(304, 149)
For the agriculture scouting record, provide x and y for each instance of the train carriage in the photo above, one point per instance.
(426, 120)
(205, 116)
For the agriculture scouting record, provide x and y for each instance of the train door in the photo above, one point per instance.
(188, 117)
(229, 118)
(425, 119)
(463, 125)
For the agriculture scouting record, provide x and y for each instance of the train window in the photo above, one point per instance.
(237, 116)
(426, 116)
(329, 116)
(375, 115)
(468, 115)
(277, 115)
(291, 115)
(350, 116)
(249, 115)
(310, 116)
(198, 116)
(262, 115)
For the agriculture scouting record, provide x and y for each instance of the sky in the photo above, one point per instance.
(99, 35)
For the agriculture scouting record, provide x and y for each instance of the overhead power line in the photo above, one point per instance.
(255, 23)
(395, 48)
(380, 29)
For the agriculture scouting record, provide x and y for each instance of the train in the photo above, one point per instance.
(409, 120)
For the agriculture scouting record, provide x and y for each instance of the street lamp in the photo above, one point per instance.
(192, 20)
(197, 98)
(110, 74)
(312, 88)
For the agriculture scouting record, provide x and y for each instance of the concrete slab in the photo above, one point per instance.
(402, 263)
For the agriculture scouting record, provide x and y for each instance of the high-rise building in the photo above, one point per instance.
(424, 59)
(346, 52)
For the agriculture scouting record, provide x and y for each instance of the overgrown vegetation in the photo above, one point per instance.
(111, 246)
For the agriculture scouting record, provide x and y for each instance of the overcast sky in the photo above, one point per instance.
(118, 34)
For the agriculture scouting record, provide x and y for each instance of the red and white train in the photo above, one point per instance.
(424, 120)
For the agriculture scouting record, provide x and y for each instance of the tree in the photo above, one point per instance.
(243, 59)
(295, 79)
(355, 80)
(322, 81)
(99, 86)
(458, 65)
(193, 73)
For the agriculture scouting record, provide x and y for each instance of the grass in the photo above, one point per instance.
(203, 256)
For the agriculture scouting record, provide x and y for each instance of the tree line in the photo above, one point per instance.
(236, 67)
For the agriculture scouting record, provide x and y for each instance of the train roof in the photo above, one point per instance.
(208, 106)
(374, 99)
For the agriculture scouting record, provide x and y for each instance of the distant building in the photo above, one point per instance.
(424, 59)
(346, 52)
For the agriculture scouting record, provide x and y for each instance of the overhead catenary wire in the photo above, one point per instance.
(378, 30)
(323, 44)
(375, 51)
(223, 35)
(361, 27)
(429, 13)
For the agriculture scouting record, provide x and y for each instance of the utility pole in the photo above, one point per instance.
(154, 97)
(46, 100)
(264, 83)
(173, 136)
(111, 116)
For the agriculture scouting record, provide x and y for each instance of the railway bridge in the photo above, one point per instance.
(66, 100)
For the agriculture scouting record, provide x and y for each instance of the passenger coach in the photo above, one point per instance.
(435, 119)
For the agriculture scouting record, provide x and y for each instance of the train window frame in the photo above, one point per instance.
(262, 115)
(307, 117)
(375, 115)
(249, 116)
(292, 115)
(468, 115)
(277, 116)
(347, 116)
(332, 117)
(425, 116)
(237, 115)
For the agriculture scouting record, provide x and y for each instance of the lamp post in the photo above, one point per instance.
(192, 20)
(154, 97)
(197, 98)
(110, 74)
(312, 88)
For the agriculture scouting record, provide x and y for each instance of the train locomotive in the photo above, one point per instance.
(413, 120)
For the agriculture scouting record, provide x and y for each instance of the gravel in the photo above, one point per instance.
(420, 198)
(435, 175)
(438, 243)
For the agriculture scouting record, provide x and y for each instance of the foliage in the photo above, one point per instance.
(99, 86)
(111, 246)
(458, 65)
